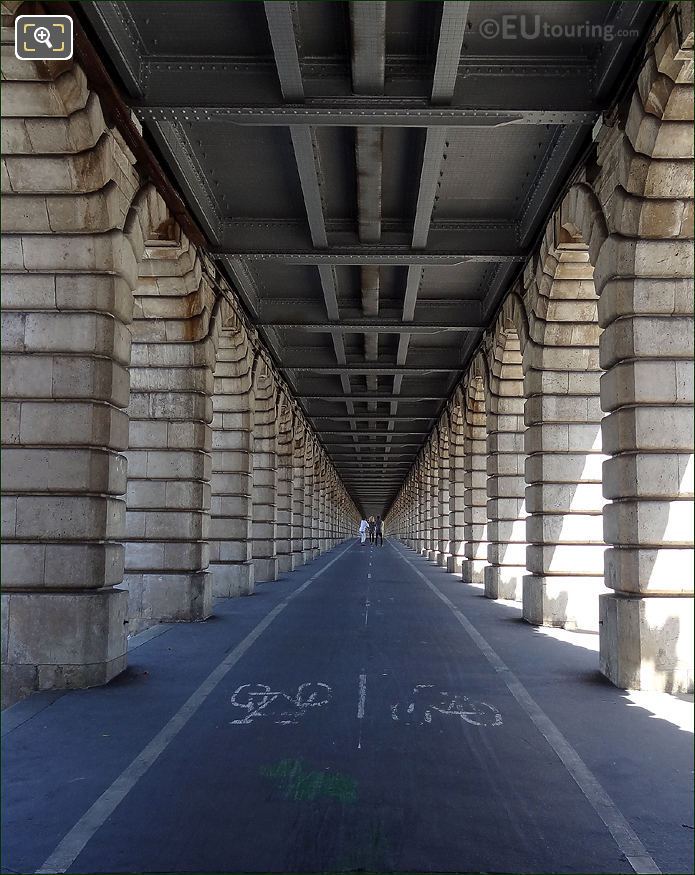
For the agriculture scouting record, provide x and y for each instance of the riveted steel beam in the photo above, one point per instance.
(369, 254)
(346, 112)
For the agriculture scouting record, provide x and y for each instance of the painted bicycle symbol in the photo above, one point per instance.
(426, 701)
(258, 700)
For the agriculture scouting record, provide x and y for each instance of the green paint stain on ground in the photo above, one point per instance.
(300, 785)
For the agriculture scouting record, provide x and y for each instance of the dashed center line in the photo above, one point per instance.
(361, 698)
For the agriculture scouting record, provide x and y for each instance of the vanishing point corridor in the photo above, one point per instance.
(348, 466)
(359, 715)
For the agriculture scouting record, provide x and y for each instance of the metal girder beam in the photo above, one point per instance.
(378, 445)
(285, 235)
(451, 32)
(373, 433)
(372, 418)
(356, 326)
(368, 31)
(408, 67)
(367, 368)
(284, 41)
(369, 254)
(406, 461)
(366, 396)
(368, 477)
(381, 465)
(412, 112)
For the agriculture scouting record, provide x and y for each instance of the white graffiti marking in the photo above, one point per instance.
(426, 701)
(258, 700)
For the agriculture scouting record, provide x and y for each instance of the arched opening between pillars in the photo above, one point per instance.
(456, 484)
(298, 522)
(265, 474)
(475, 474)
(506, 507)
(285, 441)
(433, 483)
(168, 455)
(443, 544)
(424, 502)
(563, 416)
(231, 557)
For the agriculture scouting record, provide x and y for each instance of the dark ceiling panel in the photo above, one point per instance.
(463, 282)
(488, 173)
(214, 28)
(268, 186)
(270, 171)
(323, 29)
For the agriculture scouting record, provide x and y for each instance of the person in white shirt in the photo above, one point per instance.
(364, 528)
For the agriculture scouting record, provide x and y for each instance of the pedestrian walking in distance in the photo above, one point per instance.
(364, 528)
(372, 527)
(379, 531)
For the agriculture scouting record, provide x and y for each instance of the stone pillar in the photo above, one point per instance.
(474, 482)
(308, 507)
(564, 501)
(264, 526)
(67, 301)
(456, 488)
(332, 511)
(284, 490)
(644, 276)
(412, 509)
(322, 501)
(298, 534)
(232, 466)
(169, 463)
(423, 503)
(433, 523)
(316, 505)
(443, 554)
(506, 529)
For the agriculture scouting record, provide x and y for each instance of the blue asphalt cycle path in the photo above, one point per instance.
(363, 729)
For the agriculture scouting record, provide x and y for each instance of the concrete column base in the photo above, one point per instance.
(646, 642)
(230, 580)
(441, 559)
(473, 570)
(453, 564)
(568, 602)
(307, 556)
(296, 560)
(265, 569)
(432, 555)
(167, 598)
(57, 641)
(284, 563)
(504, 582)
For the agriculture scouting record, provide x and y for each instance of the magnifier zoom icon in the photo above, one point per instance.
(43, 35)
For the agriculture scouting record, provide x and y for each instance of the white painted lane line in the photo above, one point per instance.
(623, 834)
(94, 818)
(366, 611)
(361, 698)
(369, 576)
